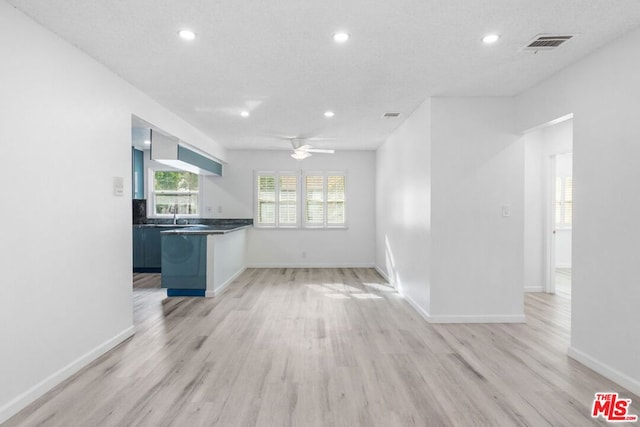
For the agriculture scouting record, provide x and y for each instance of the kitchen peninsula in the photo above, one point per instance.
(203, 259)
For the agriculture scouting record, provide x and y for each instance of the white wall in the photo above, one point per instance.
(539, 145)
(477, 254)
(603, 92)
(233, 194)
(442, 179)
(66, 243)
(535, 213)
(403, 208)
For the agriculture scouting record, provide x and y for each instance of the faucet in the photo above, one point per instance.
(175, 213)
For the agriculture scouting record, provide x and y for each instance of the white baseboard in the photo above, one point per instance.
(631, 384)
(220, 289)
(494, 318)
(21, 401)
(498, 318)
(421, 311)
(330, 265)
(382, 273)
(534, 289)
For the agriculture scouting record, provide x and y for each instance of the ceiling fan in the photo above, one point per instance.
(302, 150)
(301, 147)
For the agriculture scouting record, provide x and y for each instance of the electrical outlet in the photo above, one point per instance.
(304, 254)
(219, 208)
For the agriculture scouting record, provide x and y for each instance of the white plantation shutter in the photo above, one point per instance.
(558, 203)
(280, 203)
(266, 200)
(288, 200)
(564, 201)
(314, 200)
(568, 201)
(335, 200)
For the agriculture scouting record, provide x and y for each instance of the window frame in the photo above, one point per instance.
(151, 199)
(276, 175)
(300, 199)
(325, 199)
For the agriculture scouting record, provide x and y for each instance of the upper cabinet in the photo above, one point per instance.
(140, 140)
(170, 151)
(137, 173)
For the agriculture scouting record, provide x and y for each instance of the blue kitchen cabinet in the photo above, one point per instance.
(147, 250)
(138, 248)
(137, 174)
(184, 264)
(152, 248)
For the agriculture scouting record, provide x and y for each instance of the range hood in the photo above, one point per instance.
(169, 151)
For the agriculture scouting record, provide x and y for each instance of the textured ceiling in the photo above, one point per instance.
(277, 59)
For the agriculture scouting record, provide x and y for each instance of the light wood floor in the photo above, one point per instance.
(146, 280)
(325, 347)
(563, 281)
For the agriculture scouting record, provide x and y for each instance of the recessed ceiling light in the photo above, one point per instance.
(341, 37)
(244, 113)
(186, 34)
(147, 142)
(329, 114)
(490, 38)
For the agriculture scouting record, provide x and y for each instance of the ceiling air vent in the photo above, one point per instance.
(546, 43)
(390, 115)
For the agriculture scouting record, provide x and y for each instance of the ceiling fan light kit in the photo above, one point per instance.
(300, 154)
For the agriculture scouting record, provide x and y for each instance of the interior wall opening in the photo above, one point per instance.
(549, 207)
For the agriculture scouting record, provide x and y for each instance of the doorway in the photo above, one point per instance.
(562, 222)
(549, 207)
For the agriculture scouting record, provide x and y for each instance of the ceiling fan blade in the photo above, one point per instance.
(320, 150)
(302, 137)
(305, 147)
(320, 138)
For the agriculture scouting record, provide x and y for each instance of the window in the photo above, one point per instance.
(314, 200)
(288, 200)
(266, 212)
(335, 200)
(309, 199)
(175, 192)
(276, 199)
(564, 201)
(324, 199)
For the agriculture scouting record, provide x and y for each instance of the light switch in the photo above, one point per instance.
(118, 186)
(506, 210)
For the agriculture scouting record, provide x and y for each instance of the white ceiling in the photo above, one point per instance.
(277, 58)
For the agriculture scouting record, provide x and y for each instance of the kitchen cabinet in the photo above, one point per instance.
(152, 247)
(137, 173)
(185, 262)
(202, 261)
(138, 248)
(147, 249)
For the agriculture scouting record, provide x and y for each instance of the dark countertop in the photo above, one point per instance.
(197, 225)
(202, 229)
